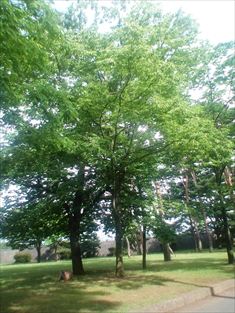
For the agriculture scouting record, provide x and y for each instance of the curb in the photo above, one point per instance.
(190, 297)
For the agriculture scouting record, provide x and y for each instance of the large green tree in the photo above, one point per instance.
(99, 107)
(133, 91)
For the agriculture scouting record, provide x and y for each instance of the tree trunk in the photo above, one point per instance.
(76, 255)
(227, 234)
(193, 222)
(139, 237)
(119, 233)
(204, 217)
(208, 234)
(166, 252)
(128, 247)
(38, 248)
(230, 182)
(55, 252)
(144, 248)
(119, 252)
(165, 246)
(74, 237)
(198, 237)
(193, 233)
(75, 217)
(226, 231)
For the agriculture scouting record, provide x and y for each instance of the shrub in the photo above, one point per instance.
(112, 251)
(90, 248)
(22, 257)
(64, 254)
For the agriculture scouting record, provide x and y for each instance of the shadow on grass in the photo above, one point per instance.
(42, 294)
(176, 265)
(129, 282)
(36, 288)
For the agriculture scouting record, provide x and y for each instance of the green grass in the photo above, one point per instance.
(33, 288)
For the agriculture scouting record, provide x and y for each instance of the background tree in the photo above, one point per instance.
(26, 228)
(217, 102)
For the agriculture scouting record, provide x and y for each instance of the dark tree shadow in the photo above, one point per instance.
(36, 288)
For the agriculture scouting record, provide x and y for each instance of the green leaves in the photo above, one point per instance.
(27, 31)
(115, 101)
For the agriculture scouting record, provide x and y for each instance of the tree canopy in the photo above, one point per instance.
(90, 115)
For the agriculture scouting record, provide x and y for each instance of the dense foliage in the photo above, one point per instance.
(22, 257)
(94, 118)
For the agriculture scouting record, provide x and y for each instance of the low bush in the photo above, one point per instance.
(64, 254)
(112, 251)
(22, 257)
(90, 248)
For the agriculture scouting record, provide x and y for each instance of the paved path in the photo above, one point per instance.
(223, 302)
(212, 298)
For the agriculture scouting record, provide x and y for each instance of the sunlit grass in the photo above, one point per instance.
(35, 287)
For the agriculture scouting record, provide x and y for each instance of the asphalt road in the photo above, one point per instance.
(220, 303)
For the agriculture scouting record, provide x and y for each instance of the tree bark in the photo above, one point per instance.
(193, 222)
(76, 255)
(38, 248)
(226, 230)
(165, 246)
(166, 252)
(193, 233)
(74, 237)
(210, 243)
(227, 234)
(75, 217)
(144, 248)
(139, 238)
(128, 247)
(208, 234)
(118, 230)
(198, 237)
(119, 252)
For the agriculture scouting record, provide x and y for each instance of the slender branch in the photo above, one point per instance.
(150, 152)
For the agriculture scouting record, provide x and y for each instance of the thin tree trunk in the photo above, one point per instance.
(38, 248)
(166, 252)
(119, 233)
(165, 246)
(210, 243)
(119, 250)
(55, 251)
(229, 181)
(75, 217)
(197, 238)
(229, 176)
(144, 248)
(128, 247)
(227, 234)
(193, 233)
(208, 234)
(139, 237)
(226, 230)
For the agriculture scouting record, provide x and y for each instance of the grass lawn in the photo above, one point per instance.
(34, 288)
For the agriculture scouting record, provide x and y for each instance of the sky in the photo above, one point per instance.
(216, 18)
